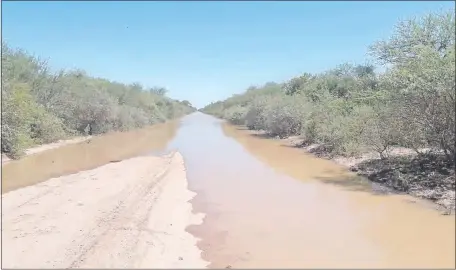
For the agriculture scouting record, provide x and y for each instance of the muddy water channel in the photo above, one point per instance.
(269, 206)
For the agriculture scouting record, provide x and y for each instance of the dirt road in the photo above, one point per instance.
(128, 214)
(265, 205)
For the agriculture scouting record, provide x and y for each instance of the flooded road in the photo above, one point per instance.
(86, 155)
(272, 206)
(266, 205)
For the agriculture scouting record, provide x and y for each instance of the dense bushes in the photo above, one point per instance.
(39, 106)
(352, 109)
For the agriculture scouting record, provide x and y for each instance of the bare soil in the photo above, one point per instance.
(127, 214)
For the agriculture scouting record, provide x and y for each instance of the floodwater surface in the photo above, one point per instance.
(267, 205)
(270, 206)
(85, 155)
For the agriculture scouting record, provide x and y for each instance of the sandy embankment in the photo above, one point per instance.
(48, 146)
(86, 155)
(127, 214)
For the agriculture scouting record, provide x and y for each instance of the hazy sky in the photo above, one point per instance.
(202, 51)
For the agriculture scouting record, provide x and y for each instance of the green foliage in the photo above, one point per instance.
(380, 128)
(351, 108)
(435, 31)
(256, 115)
(158, 91)
(46, 127)
(40, 107)
(421, 82)
(17, 114)
(236, 114)
(283, 116)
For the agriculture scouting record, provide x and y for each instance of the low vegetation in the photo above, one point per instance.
(40, 106)
(352, 109)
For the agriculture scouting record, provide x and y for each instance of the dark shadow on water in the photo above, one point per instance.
(393, 175)
(326, 171)
(358, 183)
(319, 151)
(431, 176)
(351, 181)
(262, 135)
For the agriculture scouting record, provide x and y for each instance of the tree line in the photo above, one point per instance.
(40, 106)
(352, 109)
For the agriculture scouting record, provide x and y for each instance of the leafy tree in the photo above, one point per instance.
(158, 91)
(351, 108)
(435, 31)
(40, 107)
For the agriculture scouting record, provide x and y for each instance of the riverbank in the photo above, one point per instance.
(429, 177)
(96, 219)
(48, 146)
(87, 154)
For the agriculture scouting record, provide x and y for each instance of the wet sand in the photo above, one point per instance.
(129, 214)
(269, 206)
(101, 209)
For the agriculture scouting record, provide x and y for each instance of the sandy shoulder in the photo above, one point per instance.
(129, 214)
(48, 146)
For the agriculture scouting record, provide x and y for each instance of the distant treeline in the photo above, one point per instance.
(39, 106)
(353, 109)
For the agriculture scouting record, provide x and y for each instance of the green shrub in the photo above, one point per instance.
(17, 113)
(40, 107)
(236, 115)
(256, 115)
(351, 108)
(284, 116)
(45, 127)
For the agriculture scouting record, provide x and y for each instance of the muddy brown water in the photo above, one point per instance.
(268, 205)
(85, 155)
